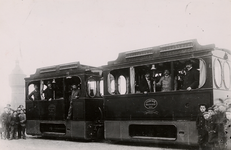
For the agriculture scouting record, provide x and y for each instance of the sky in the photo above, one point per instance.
(42, 33)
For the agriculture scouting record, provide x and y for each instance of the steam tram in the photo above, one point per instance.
(49, 117)
(113, 106)
(158, 116)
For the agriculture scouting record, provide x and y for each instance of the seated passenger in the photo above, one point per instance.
(191, 79)
(48, 92)
(146, 84)
(35, 94)
(165, 82)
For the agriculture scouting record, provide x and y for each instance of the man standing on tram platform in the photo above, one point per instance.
(74, 95)
(191, 79)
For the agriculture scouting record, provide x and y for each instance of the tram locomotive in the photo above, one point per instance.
(112, 105)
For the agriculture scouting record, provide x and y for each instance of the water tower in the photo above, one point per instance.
(17, 85)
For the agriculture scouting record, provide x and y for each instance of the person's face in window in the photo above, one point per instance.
(49, 85)
(166, 72)
(188, 66)
(74, 87)
(35, 87)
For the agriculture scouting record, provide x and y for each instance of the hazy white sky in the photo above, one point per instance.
(47, 32)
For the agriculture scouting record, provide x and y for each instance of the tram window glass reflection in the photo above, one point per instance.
(91, 83)
(217, 73)
(111, 84)
(122, 84)
(227, 75)
(101, 87)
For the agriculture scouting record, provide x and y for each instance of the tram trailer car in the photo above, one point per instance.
(49, 117)
(157, 116)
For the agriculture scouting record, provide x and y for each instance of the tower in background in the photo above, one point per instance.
(17, 86)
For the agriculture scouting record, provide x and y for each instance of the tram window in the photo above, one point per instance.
(52, 89)
(217, 73)
(190, 74)
(146, 76)
(91, 89)
(203, 74)
(227, 75)
(122, 84)
(34, 91)
(111, 84)
(101, 87)
(68, 82)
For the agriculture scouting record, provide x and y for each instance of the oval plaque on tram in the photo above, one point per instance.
(150, 103)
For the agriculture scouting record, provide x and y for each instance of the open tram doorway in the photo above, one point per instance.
(68, 82)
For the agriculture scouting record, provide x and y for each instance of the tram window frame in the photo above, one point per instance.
(119, 85)
(31, 85)
(101, 87)
(218, 85)
(227, 85)
(110, 80)
(95, 87)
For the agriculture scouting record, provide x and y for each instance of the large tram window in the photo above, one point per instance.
(101, 90)
(217, 73)
(122, 84)
(227, 75)
(34, 91)
(52, 89)
(111, 84)
(91, 87)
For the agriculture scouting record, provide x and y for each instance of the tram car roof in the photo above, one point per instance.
(167, 52)
(66, 69)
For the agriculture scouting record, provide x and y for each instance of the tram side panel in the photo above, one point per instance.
(154, 117)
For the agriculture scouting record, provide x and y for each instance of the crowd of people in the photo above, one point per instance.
(13, 123)
(213, 125)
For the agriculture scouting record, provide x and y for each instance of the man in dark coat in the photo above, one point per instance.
(191, 79)
(146, 84)
(48, 92)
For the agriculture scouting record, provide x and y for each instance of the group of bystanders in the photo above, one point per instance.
(13, 123)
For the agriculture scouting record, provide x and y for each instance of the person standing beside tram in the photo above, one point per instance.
(201, 128)
(74, 95)
(191, 79)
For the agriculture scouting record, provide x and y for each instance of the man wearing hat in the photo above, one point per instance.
(191, 79)
(146, 84)
(74, 95)
(48, 92)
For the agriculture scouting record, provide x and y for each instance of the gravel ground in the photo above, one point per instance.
(37, 143)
